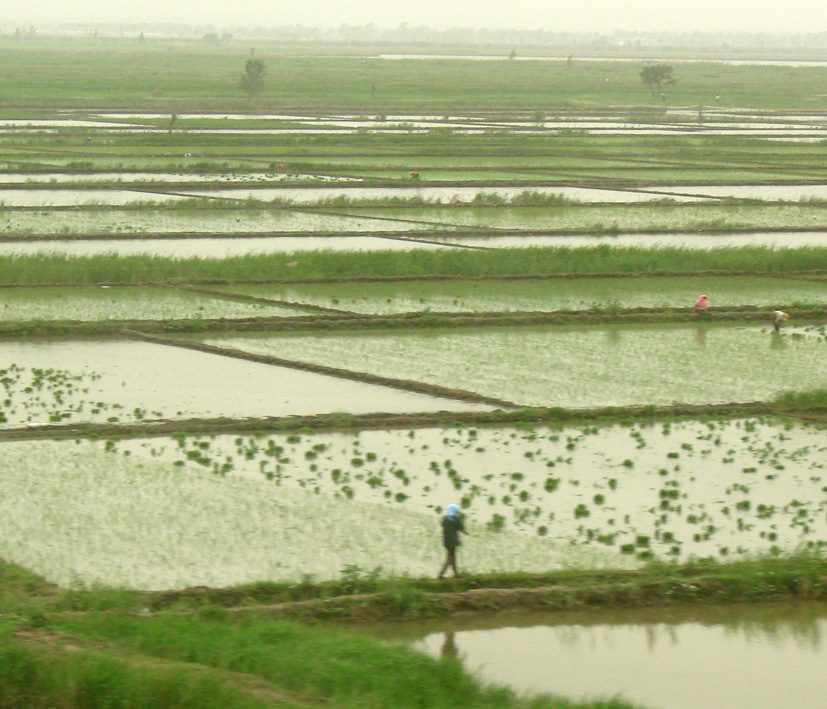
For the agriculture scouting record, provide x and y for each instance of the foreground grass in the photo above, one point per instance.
(326, 265)
(212, 658)
(116, 653)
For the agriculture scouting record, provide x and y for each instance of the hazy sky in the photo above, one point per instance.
(770, 16)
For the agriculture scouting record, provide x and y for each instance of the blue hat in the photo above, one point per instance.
(453, 511)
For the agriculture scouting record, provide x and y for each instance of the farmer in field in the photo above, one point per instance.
(779, 319)
(451, 527)
(700, 304)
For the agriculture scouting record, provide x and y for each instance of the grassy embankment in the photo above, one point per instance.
(321, 265)
(110, 655)
(236, 648)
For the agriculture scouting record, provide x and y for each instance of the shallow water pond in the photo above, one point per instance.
(128, 380)
(575, 365)
(679, 490)
(728, 657)
(125, 303)
(543, 294)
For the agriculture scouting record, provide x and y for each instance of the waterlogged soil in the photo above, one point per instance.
(115, 221)
(85, 514)
(682, 490)
(216, 247)
(575, 218)
(680, 658)
(704, 241)
(125, 303)
(789, 193)
(618, 218)
(125, 380)
(572, 365)
(445, 195)
(34, 197)
(543, 295)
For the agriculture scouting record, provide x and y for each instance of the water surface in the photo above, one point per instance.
(728, 657)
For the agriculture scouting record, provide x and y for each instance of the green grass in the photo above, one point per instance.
(180, 77)
(381, 264)
(32, 677)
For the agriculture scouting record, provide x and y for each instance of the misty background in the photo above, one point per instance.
(425, 20)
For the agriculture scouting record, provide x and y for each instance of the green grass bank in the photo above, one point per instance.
(324, 265)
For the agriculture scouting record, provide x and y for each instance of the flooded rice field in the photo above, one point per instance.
(674, 121)
(33, 196)
(542, 295)
(125, 303)
(114, 222)
(500, 221)
(38, 179)
(144, 524)
(668, 490)
(535, 500)
(702, 241)
(727, 657)
(189, 246)
(788, 193)
(123, 380)
(615, 364)
(193, 247)
(445, 195)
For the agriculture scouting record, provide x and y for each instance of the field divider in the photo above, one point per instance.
(346, 321)
(307, 210)
(265, 301)
(367, 378)
(384, 421)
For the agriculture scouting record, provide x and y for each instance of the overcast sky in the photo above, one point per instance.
(770, 16)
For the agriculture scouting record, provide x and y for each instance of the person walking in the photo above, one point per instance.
(451, 528)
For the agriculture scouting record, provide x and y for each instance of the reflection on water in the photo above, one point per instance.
(727, 657)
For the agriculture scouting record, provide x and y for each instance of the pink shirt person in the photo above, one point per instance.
(700, 304)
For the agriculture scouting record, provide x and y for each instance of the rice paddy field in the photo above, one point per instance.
(270, 340)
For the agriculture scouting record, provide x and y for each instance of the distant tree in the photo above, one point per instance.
(657, 76)
(512, 54)
(212, 38)
(252, 80)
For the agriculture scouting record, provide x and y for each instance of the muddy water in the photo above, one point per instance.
(222, 248)
(130, 380)
(61, 198)
(763, 192)
(779, 240)
(216, 248)
(727, 657)
(309, 195)
(542, 295)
